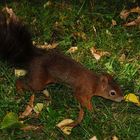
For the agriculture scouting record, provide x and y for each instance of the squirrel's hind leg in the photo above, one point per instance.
(36, 81)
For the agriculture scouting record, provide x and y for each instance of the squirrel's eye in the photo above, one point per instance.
(112, 92)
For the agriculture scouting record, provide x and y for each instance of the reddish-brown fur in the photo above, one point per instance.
(50, 67)
(55, 67)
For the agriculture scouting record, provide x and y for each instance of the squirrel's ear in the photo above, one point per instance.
(104, 81)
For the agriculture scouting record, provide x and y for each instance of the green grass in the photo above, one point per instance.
(58, 23)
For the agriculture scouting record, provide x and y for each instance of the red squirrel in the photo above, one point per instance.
(46, 67)
(55, 67)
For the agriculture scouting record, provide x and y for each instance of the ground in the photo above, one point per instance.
(80, 24)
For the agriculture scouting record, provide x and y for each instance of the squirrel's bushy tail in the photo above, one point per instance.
(15, 40)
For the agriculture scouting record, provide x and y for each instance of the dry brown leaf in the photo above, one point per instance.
(124, 14)
(98, 53)
(64, 126)
(134, 22)
(29, 108)
(114, 23)
(135, 10)
(114, 138)
(9, 11)
(20, 72)
(48, 4)
(48, 46)
(72, 49)
(81, 35)
(11, 14)
(94, 29)
(31, 128)
(93, 138)
(122, 58)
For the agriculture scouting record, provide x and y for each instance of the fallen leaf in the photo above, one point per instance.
(114, 23)
(93, 138)
(29, 108)
(31, 128)
(64, 126)
(38, 107)
(114, 138)
(48, 46)
(81, 35)
(131, 97)
(94, 29)
(46, 93)
(11, 119)
(98, 53)
(48, 98)
(34, 42)
(108, 33)
(9, 11)
(12, 15)
(122, 58)
(134, 22)
(135, 10)
(47, 4)
(72, 50)
(124, 14)
(20, 72)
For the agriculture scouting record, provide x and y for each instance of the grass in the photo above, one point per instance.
(57, 22)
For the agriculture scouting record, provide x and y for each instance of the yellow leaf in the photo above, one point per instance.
(132, 98)
(64, 126)
(20, 72)
(38, 107)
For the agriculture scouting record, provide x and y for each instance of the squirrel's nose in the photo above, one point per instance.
(122, 98)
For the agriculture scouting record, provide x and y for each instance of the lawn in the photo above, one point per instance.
(82, 25)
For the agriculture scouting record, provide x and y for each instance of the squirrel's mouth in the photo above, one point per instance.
(119, 99)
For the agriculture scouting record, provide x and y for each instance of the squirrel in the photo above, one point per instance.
(46, 67)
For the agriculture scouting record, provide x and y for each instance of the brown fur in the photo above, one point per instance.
(55, 67)
(50, 67)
